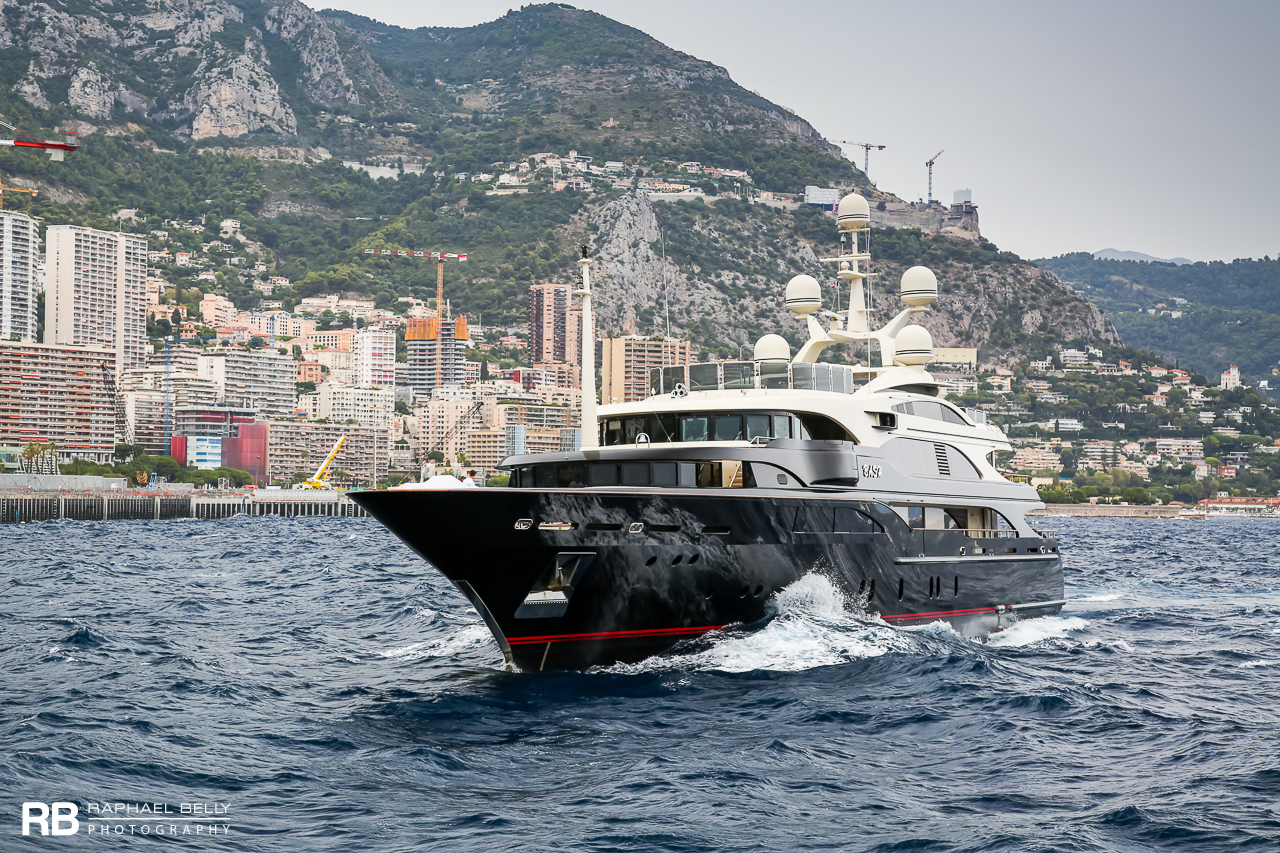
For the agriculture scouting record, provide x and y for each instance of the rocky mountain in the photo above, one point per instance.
(201, 68)
(727, 266)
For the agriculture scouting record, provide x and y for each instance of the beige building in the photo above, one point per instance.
(217, 311)
(300, 447)
(96, 291)
(625, 364)
(54, 393)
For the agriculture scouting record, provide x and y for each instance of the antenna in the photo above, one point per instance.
(930, 165)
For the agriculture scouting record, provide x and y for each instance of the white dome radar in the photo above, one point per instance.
(804, 294)
(854, 214)
(773, 348)
(919, 286)
(914, 345)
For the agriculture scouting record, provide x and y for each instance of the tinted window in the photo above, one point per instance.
(632, 427)
(693, 429)
(544, 476)
(613, 433)
(728, 427)
(602, 474)
(757, 426)
(781, 426)
(664, 474)
(635, 473)
(572, 475)
(688, 474)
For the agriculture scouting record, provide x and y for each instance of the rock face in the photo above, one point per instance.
(207, 63)
(985, 307)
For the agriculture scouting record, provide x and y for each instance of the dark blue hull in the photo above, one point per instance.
(568, 579)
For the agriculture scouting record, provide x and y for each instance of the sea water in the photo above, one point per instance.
(273, 684)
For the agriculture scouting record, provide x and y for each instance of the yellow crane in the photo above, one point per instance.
(320, 479)
(13, 189)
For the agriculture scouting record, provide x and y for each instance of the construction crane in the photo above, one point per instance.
(4, 189)
(320, 479)
(930, 165)
(452, 431)
(439, 258)
(56, 149)
(866, 158)
(122, 416)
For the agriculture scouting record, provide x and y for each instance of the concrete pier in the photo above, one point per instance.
(112, 506)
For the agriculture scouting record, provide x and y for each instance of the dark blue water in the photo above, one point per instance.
(311, 677)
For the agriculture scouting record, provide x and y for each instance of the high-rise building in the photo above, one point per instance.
(429, 340)
(261, 380)
(373, 357)
(96, 291)
(548, 308)
(368, 405)
(625, 364)
(19, 252)
(52, 393)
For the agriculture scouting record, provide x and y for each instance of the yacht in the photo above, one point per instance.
(686, 512)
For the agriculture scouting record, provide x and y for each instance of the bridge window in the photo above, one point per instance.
(693, 428)
(728, 427)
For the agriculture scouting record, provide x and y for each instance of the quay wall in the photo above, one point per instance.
(1108, 511)
(47, 506)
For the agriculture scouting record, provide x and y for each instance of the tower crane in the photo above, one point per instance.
(4, 189)
(439, 258)
(23, 139)
(55, 148)
(929, 163)
(866, 158)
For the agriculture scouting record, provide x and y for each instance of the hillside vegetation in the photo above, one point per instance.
(1229, 312)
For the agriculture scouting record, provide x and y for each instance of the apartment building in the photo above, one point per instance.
(369, 405)
(96, 291)
(19, 252)
(373, 357)
(217, 310)
(279, 324)
(625, 364)
(56, 393)
(300, 447)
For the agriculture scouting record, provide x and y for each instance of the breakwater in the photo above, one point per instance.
(1108, 511)
(138, 506)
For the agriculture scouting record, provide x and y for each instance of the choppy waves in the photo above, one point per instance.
(311, 675)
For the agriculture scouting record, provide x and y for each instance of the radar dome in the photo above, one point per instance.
(919, 286)
(854, 214)
(804, 294)
(773, 348)
(914, 345)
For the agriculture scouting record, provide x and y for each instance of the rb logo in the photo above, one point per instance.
(62, 821)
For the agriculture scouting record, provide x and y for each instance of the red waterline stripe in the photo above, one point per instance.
(944, 613)
(607, 635)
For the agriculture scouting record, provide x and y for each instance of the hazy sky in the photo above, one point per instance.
(1145, 126)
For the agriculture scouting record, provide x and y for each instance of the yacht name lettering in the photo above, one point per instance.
(870, 471)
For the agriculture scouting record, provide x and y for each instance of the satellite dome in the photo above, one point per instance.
(804, 294)
(914, 345)
(919, 286)
(854, 214)
(773, 348)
